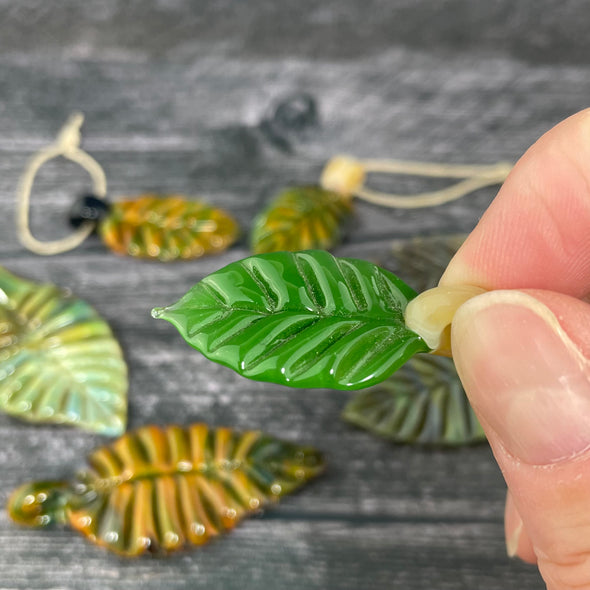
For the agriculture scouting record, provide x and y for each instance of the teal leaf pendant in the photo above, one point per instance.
(59, 361)
(303, 319)
(423, 403)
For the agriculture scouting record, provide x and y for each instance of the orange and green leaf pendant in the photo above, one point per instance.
(159, 227)
(301, 218)
(160, 489)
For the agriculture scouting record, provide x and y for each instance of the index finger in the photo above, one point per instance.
(536, 232)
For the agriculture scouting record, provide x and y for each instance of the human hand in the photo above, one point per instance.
(523, 350)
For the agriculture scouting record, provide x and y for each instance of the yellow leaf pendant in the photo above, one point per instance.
(311, 217)
(159, 227)
(301, 218)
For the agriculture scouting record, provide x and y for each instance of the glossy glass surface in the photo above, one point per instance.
(167, 227)
(304, 319)
(423, 403)
(159, 489)
(300, 218)
(59, 361)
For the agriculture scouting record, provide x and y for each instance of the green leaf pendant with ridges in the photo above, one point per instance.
(303, 319)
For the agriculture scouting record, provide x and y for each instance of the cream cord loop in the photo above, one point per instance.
(347, 176)
(67, 145)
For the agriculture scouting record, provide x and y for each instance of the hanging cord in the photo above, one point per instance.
(346, 175)
(67, 145)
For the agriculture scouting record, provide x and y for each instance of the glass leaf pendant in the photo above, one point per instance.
(160, 227)
(301, 218)
(302, 319)
(304, 218)
(423, 403)
(160, 489)
(59, 361)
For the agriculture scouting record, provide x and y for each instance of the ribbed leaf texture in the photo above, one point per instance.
(303, 319)
(167, 228)
(423, 403)
(300, 218)
(160, 489)
(59, 361)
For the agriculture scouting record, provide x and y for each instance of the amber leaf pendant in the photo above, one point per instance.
(157, 490)
(158, 227)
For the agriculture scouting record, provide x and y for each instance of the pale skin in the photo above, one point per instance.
(522, 349)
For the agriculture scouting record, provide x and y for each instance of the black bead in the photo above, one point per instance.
(290, 119)
(296, 113)
(89, 208)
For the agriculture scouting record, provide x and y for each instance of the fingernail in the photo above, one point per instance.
(512, 525)
(512, 541)
(524, 376)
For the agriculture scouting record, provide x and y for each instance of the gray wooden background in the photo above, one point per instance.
(173, 92)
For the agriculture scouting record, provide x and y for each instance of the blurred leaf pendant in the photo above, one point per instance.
(59, 361)
(303, 319)
(301, 218)
(423, 403)
(162, 227)
(159, 489)
(421, 261)
(159, 227)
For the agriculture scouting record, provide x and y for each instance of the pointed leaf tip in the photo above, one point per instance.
(158, 312)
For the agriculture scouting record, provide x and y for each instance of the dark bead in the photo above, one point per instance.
(292, 118)
(297, 113)
(89, 208)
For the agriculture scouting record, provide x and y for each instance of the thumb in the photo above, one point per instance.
(523, 359)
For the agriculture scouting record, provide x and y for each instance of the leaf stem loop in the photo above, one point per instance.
(67, 145)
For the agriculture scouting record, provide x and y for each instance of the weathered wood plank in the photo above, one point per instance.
(173, 93)
(268, 551)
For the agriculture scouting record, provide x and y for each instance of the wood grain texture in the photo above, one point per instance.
(173, 93)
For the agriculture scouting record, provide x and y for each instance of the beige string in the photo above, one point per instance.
(346, 175)
(67, 145)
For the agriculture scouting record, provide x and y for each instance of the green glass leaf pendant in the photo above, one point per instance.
(423, 403)
(167, 228)
(301, 218)
(303, 319)
(59, 361)
(158, 490)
